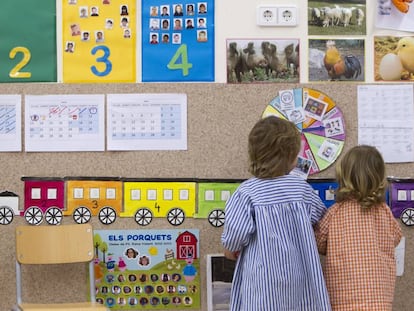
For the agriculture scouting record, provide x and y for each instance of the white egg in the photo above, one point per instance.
(390, 67)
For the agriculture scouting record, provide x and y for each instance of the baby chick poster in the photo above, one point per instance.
(147, 269)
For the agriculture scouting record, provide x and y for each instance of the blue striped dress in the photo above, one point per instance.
(270, 222)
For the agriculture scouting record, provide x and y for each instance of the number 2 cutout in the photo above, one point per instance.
(15, 72)
(184, 65)
(103, 59)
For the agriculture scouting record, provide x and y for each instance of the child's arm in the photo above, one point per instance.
(231, 255)
(321, 232)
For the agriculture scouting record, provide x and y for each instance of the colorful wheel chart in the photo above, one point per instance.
(321, 124)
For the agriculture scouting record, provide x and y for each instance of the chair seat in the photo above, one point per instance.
(80, 306)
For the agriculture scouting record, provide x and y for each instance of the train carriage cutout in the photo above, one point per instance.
(146, 199)
(212, 198)
(93, 196)
(9, 207)
(401, 199)
(44, 198)
(325, 188)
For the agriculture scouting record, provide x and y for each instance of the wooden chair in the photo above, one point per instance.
(64, 244)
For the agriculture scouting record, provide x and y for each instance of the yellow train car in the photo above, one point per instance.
(97, 196)
(146, 199)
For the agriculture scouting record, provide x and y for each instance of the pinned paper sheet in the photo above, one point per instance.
(399, 257)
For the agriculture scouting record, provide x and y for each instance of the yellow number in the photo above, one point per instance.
(184, 66)
(15, 72)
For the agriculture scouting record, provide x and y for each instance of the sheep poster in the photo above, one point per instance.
(337, 17)
(177, 41)
(336, 60)
(156, 269)
(264, 60)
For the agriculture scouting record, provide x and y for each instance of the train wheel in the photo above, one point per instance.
(6, 215)
(143, 217)
(407, 217)
(216, 218)
(176, 216)
(33, 215)
(53, 216)
(107, 215)
(82, 215)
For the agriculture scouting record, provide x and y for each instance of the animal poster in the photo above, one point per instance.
(264, 60)
(394, 58)
(147, 269)
(336, 60)
(332, 18)
(395, 14)
(98, 41)
(28, 41)
(177, 41)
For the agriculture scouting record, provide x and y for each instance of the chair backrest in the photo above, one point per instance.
(54, 244)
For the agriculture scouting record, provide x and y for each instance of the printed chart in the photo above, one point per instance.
(147, 122)
(64, 123)
(321, 124)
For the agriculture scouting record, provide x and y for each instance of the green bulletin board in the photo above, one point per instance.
(28, 41)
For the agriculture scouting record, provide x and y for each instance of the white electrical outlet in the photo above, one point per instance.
(287, 16)
(277, 15)
(267, 15)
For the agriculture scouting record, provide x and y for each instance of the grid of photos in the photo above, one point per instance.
(167, 22)
(330, 58)
(394, 58)
(263, 60)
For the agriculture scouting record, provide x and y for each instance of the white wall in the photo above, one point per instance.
(237, 19)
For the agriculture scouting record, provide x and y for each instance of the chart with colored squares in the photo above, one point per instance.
(320, 121)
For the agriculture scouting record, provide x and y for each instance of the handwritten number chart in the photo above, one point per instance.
(64, 123)
(147, 122)
(10, 123)
(385, 120)
(177, 41)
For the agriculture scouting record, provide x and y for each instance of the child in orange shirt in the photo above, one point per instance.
(358, 235)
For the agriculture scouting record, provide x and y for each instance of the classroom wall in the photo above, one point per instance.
(219, 119)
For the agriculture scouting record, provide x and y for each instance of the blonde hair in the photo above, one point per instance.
(273, 147)
(361, 176)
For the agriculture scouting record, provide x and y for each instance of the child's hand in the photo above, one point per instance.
(231, 255)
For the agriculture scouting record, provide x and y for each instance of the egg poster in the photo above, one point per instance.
(177, 41)
(157, 269)
(394, 58)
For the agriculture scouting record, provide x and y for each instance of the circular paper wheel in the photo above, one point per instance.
(6, 215)
(82, 215)
(407, 217)
(143, 217)
(107, 215)
(33, 215)
(216, 218)
(53, 216)
(176, 216)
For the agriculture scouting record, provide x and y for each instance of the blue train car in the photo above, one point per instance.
(325, 188)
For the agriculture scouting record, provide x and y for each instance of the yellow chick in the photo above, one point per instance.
(405, 51)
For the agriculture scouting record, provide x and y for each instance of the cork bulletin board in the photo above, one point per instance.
(220, 117)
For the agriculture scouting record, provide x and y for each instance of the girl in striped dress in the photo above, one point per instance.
(269, 228)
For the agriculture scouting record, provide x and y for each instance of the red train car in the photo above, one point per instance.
(44, 198)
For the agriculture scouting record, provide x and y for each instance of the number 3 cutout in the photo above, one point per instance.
(103, 59)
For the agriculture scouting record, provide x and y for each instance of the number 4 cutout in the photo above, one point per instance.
(184, 65)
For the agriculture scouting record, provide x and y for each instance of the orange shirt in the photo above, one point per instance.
(359, 246)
